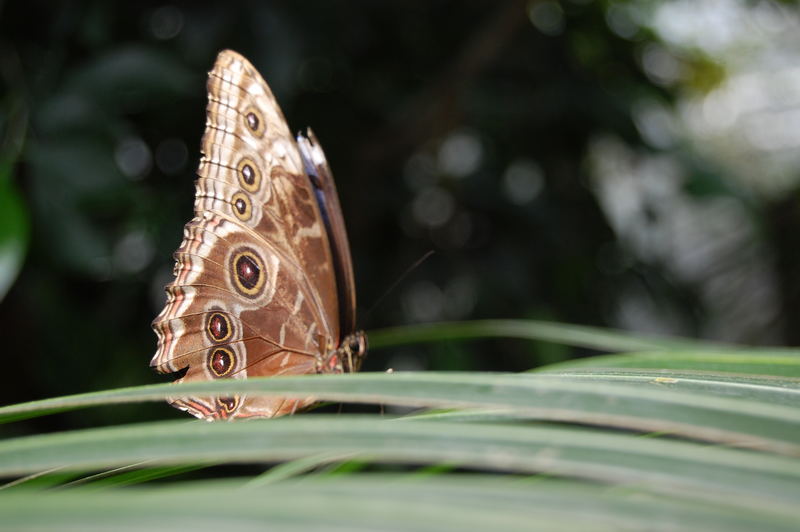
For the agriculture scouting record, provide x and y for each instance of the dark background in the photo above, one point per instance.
(539, 148)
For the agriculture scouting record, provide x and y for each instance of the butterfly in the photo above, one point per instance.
(264, 282)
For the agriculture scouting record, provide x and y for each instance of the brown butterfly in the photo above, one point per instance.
(264, 282)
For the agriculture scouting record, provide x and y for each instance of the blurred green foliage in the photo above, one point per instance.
(461, 127)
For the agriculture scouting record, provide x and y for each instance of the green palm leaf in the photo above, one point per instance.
(688, 437)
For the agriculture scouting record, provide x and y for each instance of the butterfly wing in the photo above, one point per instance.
(255, 289)
(316, 166)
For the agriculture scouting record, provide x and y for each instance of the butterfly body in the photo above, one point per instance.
(263, 278)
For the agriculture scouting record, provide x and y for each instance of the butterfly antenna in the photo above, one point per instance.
(397, 283)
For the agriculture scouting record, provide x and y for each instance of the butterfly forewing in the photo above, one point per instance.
(317, 168)
(255, 290)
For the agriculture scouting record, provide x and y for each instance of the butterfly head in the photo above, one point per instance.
(346, 358)
(354, 349)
